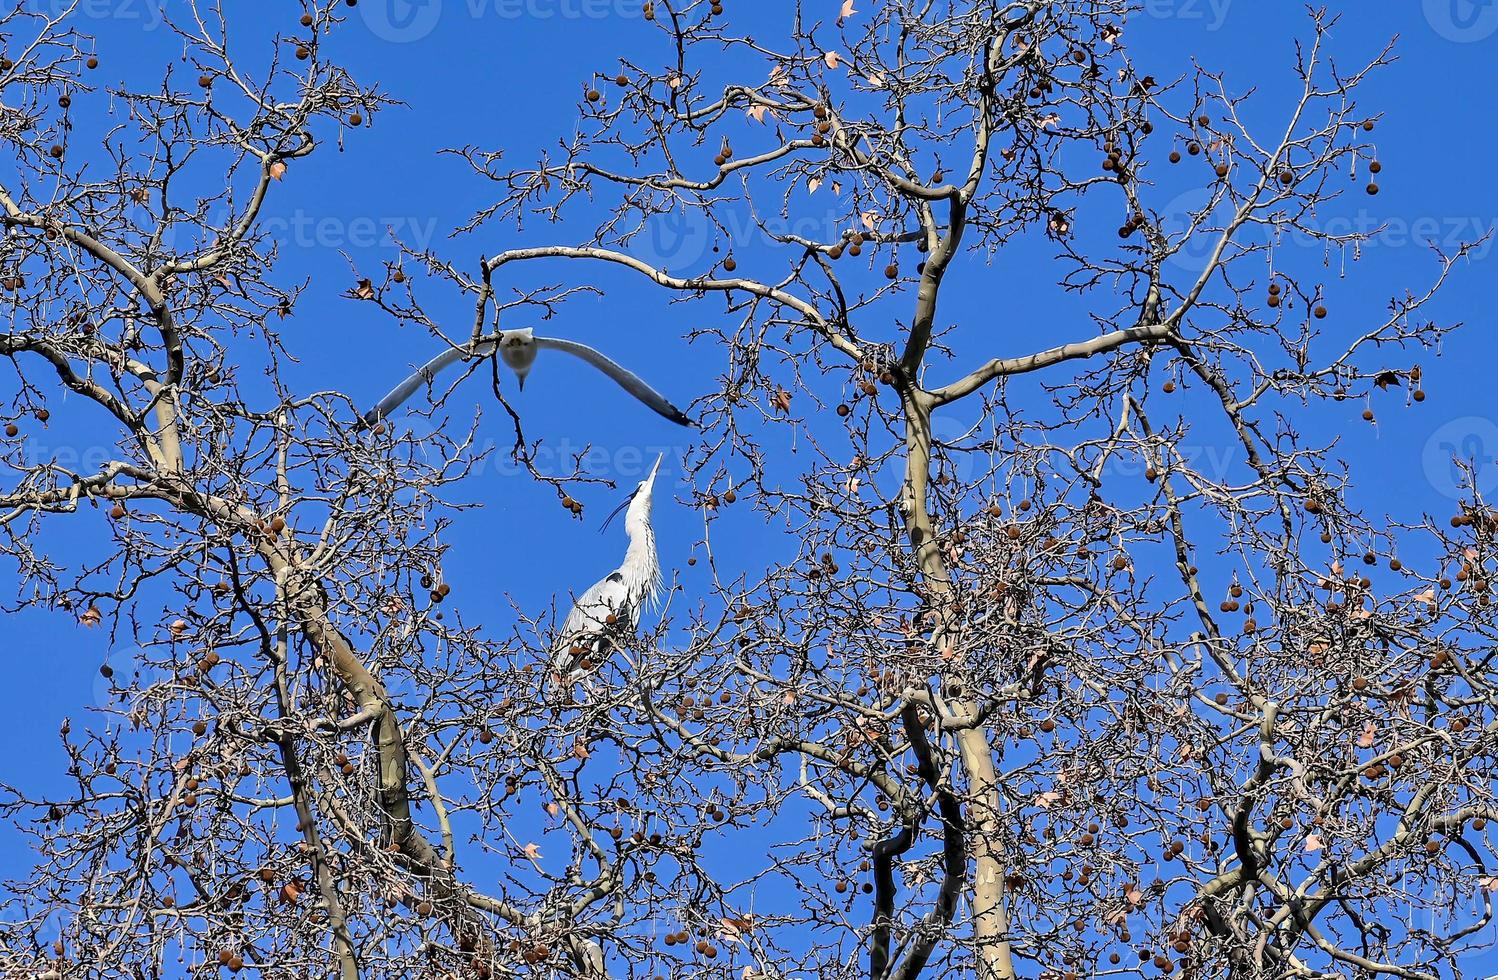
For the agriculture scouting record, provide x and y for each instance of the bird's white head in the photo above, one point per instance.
(518, 349)
(637, 514)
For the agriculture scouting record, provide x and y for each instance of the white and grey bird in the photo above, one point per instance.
(617, 600)
(518, 349)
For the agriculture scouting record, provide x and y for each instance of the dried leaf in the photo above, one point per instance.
(782, 400)
(365, 289)
(757, 113)
(846, 12)
(1313, 843)
(734, 928)
(277, 170)
(1365, 740)
(812, 184)
(831, 59)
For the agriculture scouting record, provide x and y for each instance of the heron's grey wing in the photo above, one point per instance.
(423, 375)
(589, 617)
(626, 379)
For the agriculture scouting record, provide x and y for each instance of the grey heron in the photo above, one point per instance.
(518, 349)
(617, 600)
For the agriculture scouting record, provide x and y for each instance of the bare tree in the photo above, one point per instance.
(1022, 688)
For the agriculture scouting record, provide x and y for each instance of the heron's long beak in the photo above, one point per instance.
(609, 520)
(650, 480)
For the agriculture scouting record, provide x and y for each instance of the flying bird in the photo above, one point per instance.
(620, 597)
(518, 349)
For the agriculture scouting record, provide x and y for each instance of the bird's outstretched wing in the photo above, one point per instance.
(423, 375)
(627, 380)
(589, 618)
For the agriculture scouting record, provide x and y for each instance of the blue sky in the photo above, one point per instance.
(509, 73)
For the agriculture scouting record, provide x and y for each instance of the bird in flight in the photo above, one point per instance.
(618, 599)
(518, 349)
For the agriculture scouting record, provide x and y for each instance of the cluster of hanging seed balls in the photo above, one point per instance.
(1286, 175)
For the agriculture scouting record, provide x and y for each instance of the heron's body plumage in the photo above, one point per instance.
(622, 594)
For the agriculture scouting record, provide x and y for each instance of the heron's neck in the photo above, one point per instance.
(642, 569)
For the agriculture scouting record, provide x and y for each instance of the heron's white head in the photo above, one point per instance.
(518, 349)
(637, 514)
